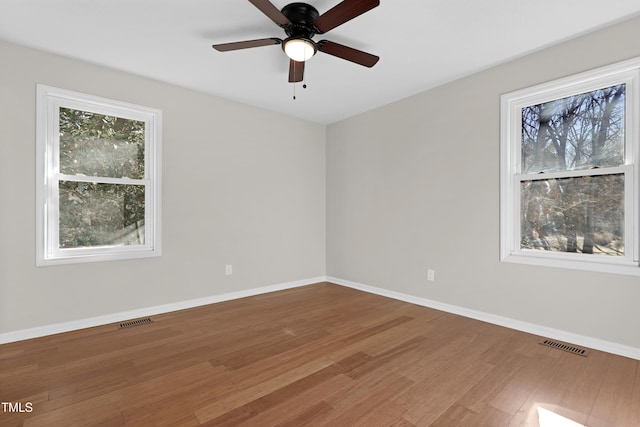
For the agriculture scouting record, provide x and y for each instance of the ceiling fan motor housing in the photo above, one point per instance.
(302, 16)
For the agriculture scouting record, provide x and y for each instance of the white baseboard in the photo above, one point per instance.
(74, 325)
(594, 343)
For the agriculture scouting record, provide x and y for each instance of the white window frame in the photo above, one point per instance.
(511, 105)
(48, 104)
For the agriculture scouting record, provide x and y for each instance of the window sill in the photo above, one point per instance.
(587, 265)
(97, 257)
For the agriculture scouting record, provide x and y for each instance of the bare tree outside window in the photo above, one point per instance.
(581, 213)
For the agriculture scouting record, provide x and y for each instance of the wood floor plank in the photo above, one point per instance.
(241, 398)
(459, 416)
(383, 341)
(481, 395)
(295, 388)
(583, 390)
(302, 407)
(10, 351)
(319, 355)
(428, 399)
(388, 413)
(633, 417)
(351, 413)
(179, 407)
(519, 387)
(554, 382)
(267, 369)
(311, 416)
(100, 408)
(615, 397)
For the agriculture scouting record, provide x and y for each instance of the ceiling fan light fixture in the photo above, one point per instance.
(299, 49)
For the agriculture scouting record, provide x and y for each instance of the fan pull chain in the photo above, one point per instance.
(304, 86)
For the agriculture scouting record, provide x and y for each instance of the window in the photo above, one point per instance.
(98, 178)
(569, 172)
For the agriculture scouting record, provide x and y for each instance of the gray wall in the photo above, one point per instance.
(237, 189)
(415, 185)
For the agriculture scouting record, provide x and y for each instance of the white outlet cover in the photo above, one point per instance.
(431, 275)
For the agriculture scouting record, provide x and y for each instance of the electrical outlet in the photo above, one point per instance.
(228, 269)
(431, 275)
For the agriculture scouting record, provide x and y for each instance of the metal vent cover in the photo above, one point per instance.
(566, 347)
(136, 322)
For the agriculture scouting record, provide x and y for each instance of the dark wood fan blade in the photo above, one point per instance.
(348, 53)
(226, 47)
(271, 11)
(296, 71)
(343, 12)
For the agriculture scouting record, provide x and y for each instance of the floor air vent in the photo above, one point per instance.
(135, 322)
(566, 347)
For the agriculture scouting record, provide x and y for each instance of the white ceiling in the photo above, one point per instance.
(421, 43)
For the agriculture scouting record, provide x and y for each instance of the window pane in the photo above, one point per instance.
(97, 145)
(93, 214)
(584, 215)
(577, 132)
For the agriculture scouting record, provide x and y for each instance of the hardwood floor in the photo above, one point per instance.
(317, 355)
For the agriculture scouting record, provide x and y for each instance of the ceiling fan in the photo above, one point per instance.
(300, 22)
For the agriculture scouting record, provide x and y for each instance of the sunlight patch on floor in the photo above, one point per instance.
(548, 418)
